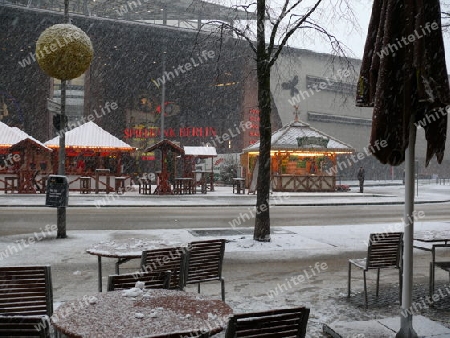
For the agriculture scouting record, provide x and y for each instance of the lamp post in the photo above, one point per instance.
(61, 211)
(163, 94)
(65, 62)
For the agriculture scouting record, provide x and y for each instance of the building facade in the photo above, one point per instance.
(205, 84)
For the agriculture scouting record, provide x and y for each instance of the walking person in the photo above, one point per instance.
(361, 179)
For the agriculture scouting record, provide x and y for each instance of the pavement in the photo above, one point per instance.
(257, 275)
(376, 193)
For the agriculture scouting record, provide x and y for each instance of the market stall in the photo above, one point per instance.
(91, 152)
(302, 159)
(193, 158)
(24, 161)
(169, 151)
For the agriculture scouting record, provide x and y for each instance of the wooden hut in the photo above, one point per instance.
(25, 161)
(169, 151)
(89, 147)
(302, 159)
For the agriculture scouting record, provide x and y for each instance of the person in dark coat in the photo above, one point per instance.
(361, 179)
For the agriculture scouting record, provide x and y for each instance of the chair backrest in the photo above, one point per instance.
(165, 259)
(26, 290)
(279, 323)
(24, 326)
(187, 334)
(152, 280)
(385, 250)
(204, 261)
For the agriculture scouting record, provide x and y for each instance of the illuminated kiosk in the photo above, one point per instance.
(24, 161)
(302, 159)
(91, 152)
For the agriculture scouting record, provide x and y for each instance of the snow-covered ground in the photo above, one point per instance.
(304, 265)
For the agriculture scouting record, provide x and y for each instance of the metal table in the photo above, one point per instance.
(431, 240)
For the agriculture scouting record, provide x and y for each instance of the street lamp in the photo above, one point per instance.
(163, 94)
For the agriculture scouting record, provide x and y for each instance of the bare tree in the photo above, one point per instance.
(276, 23)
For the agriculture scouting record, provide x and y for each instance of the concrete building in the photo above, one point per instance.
(207, 103)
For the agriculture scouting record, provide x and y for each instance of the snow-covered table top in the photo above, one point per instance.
(127, 248)
(124, 314)
(432, 236)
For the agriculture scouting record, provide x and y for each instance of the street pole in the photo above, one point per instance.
(406, 318)
(61, 211)
(417, 178)
(163, 94)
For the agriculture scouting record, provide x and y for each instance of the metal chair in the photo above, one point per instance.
(152, 280)
(204, 263)
(384, 251)
(279, 323)
(26, 298)
(172, 259)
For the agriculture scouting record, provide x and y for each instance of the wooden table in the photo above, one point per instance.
(85, 185)
(183, 186)
(145, 186)
(157, 312)
(431, 240)
(11, 183)
(124, 250)
(239, 184)
(119, 185)
(99, 173)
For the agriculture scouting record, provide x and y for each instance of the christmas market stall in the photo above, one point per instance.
(24, 161)
(195, 166)
(169, 152)
(92, 153)
(302, 159)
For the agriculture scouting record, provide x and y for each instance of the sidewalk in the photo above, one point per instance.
(258, 275)
(381, 193)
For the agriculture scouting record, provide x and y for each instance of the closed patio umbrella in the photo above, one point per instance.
(404, 78)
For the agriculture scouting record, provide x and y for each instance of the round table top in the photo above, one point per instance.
(153, 312)
(127, 248)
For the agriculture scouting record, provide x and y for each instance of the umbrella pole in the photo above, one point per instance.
(406, 328)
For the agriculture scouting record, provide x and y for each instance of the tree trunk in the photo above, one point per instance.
(262, 219)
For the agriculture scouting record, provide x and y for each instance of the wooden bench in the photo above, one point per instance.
(279, 323)
(204, 263)
(26, 298)
(152, 280)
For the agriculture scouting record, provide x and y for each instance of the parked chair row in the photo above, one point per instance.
(27, 300)
(199, 262)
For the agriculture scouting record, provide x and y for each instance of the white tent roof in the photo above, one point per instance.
(200, 151)
(13, 135)
(301, 136)
(90, 135)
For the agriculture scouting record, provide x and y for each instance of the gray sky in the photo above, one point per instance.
(327, 15)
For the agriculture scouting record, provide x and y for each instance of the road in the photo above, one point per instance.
(27, 220)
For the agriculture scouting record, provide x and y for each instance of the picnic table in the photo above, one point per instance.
(124, 250)
(154, 312)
